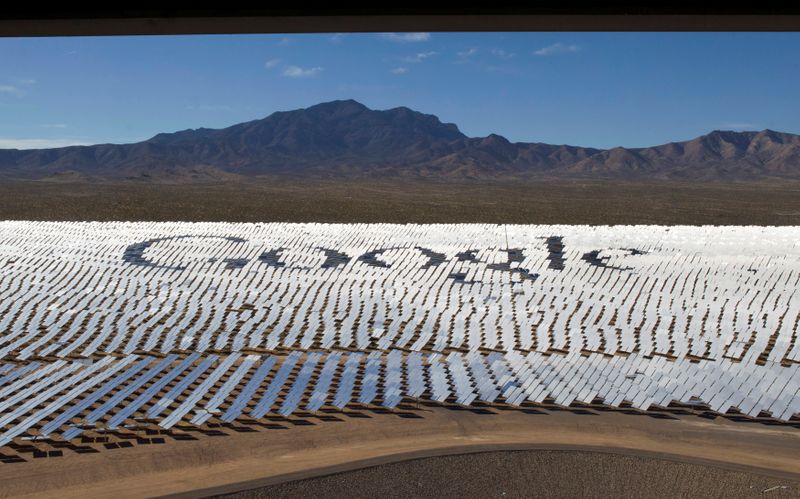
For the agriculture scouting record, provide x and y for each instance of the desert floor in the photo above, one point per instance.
(282, 452)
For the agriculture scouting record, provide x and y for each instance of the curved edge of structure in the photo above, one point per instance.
(472, 449)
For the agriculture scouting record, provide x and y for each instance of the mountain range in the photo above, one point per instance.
(346, 139)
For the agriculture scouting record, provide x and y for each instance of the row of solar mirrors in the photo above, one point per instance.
(68, 396)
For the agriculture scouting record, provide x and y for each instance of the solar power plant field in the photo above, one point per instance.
(110, 327)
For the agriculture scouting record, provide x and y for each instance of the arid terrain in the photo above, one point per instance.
(249, 455)
(533, 473)
(359, 201)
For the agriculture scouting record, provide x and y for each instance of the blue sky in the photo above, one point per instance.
(588, 89)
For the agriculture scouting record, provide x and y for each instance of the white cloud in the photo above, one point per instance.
(284, 41)
(738, 125)
(54, 125)
(502, 54)
(16, 90)
(10, 89)
(208, 107)
(419, 57)
(272, 63)
(556, 48)
(467, 53)
(349, 88)
(338, 37)
(400, 70)
(407, 37)
(39, 143)
(298, 72)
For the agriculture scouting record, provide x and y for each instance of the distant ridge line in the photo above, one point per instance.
(346, 139)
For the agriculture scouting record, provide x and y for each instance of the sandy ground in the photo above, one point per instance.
(538, 201)
(246, 460)
(539, 473)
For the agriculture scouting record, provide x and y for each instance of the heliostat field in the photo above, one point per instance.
(107, 326)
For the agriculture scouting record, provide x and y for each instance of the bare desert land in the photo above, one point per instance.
(532, 473)
(286, 450)
(543, 201)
